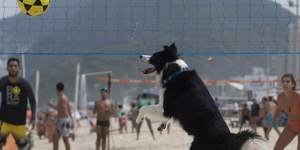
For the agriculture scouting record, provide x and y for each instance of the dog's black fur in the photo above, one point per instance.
(187, 99)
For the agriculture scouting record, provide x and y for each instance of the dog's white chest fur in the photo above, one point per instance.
(180, 63)
(155, 112)
(161, 89)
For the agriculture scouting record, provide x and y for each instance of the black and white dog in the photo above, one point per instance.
(184, 97)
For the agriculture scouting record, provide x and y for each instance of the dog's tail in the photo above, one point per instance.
(247, 140)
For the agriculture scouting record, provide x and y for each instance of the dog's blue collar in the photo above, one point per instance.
(171, 77)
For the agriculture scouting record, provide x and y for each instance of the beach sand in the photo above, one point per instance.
(176, 140)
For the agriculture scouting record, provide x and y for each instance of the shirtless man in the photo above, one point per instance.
(288, 102)
(64, 123)
(104, 111)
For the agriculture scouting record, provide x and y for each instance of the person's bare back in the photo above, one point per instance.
(63, 107)
(270, 107)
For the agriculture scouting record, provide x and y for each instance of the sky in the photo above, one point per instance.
(285, 4)
(8, 8)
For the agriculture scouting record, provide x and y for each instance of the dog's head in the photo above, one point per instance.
(160, 59)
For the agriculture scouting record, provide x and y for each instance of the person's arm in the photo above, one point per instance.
(32, 103)
(70, 112)
(95, 108)
(112, 111)
(2, 84)
(50, 104)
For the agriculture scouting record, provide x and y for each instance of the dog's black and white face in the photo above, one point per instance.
(160, 59)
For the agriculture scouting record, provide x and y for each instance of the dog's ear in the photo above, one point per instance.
(173, 45)
(166, 47)
(172, 50)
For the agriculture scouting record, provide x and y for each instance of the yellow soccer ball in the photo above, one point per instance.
(33, 7)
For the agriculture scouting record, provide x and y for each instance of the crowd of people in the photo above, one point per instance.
(271, 113)
(261, 115)
(17, 95)
(99, 119)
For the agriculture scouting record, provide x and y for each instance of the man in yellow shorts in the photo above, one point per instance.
(15, 94)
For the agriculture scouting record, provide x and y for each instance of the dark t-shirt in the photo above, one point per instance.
(255, 109)
(14, 100)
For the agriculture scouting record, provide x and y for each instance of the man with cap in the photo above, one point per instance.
(104, 111)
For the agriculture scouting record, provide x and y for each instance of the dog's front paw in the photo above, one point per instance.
(162, 127)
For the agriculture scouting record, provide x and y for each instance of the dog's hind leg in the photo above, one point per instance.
(141, 115)
(153, 112)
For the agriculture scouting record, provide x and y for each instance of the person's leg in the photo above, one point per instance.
(98, 139)
(241, 126)
(285, 138)
(243, 121)
(105, 132)
(268, 132)
(265, 132)
(277, 130)
(20, 136)
(132, 126)
(21, 143)
(253, 123)
(67, 143)
(78, 123)
(256, 122)
(298, 146)
(4, 132)
(125, 127)
(150, 127)
(2, 140)
(3, 137)
(56, 137)
(138, 129)
(121, 129)
(249, 122)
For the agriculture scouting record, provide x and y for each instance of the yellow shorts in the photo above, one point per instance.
(18, 131)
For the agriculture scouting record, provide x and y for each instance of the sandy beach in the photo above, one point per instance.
(176, 140)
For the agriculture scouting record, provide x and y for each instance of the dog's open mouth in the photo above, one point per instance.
(149, 70)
